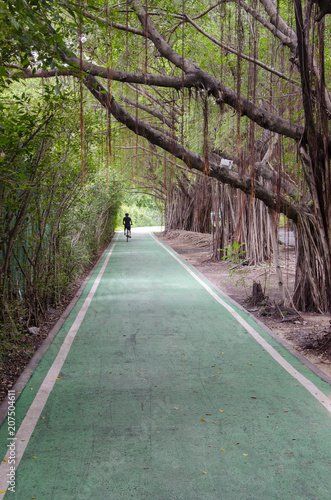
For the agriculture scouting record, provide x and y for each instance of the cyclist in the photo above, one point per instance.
(127, 222)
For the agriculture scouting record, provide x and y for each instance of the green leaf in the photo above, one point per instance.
(14, 22)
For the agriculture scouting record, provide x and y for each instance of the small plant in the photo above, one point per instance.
(234, 254)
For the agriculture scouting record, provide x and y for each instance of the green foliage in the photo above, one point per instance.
(52, 223)
(89, 223)
(234, 256)
(233, 253)
(143, 211)
(32, 31)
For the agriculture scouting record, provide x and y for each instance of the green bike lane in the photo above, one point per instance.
(168, 391)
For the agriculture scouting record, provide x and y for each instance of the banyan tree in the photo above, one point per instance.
(236, 90)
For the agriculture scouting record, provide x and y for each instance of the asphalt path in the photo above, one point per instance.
(158, 387)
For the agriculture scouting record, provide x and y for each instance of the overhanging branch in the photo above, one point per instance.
(192, 160)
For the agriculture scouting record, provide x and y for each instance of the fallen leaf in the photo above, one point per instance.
(202, 420)
(222, 411)
(204, 472)
(245, 454)
(176, 408)
(289, 452)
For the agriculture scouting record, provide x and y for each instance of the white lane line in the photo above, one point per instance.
(20, 441)
(319, 395)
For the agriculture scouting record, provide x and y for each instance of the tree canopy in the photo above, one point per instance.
(246, 81)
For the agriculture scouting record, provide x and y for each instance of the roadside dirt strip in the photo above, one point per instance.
(159, 387)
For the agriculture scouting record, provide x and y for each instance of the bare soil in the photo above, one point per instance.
(308, 333)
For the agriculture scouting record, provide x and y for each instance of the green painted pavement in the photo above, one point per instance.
(163, 395)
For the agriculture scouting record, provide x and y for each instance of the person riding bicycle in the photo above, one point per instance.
(127, 222)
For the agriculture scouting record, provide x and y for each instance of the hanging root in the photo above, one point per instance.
(311, 280)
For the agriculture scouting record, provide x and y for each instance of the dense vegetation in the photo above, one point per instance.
(52, 221)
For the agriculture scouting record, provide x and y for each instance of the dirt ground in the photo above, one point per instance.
(308, 333)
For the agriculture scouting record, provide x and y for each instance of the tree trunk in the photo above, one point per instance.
(313, 287)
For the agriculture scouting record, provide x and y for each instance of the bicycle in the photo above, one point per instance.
(126, 233)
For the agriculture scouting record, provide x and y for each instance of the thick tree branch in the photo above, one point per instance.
(214, 87)
(195, 79)
(276, 19)
(192, 160)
